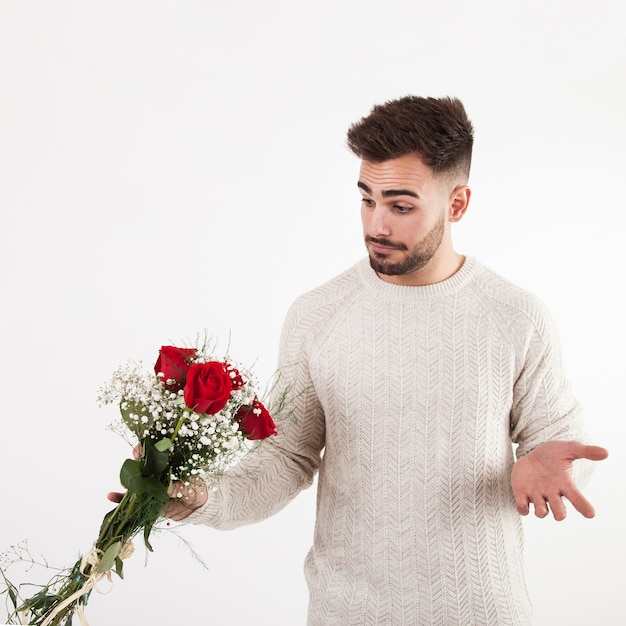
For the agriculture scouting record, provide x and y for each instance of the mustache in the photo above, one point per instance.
(385, 242)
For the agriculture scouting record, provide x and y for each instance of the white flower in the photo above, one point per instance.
(231, 443)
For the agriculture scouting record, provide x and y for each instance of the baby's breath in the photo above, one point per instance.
(203, 444)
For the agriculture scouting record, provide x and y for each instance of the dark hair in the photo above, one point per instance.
(437, 130)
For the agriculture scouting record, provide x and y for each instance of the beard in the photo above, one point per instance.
(416, 258)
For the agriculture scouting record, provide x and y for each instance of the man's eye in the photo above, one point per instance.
(367, 201)
(401, 208)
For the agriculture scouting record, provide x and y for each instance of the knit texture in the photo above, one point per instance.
(410, 401)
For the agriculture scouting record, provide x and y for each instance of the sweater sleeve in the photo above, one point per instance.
(278, 468)
(544, 407)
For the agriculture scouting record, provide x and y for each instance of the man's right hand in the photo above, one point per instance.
(185, 499)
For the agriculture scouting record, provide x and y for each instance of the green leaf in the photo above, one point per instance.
(156, 489)
(11, 589)
(40, 602)
(134, 408)
(155, 461)
(109, 556)
(163, 445)
(105, 519)
(146, 535)
(119, 567)
(130, 476)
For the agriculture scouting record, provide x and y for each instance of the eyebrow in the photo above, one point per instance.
(387, 193)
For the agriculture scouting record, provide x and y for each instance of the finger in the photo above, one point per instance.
(595, 453)
(115, 496)
(192, 494)
(175, 510)
(541, 506)
(180, 491)
(182, 496)
(580, 503)
(522, 505)
(583, 451)
(557, 507)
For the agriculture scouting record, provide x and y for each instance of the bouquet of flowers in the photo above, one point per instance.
(191, 418)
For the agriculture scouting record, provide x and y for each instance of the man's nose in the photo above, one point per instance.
(379, 222)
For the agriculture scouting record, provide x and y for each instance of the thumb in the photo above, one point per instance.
(593, 453)
(115, 496)
(178, 490)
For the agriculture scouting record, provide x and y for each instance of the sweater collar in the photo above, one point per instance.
(374, 284)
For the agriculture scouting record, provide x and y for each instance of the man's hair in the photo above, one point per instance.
(437, 130)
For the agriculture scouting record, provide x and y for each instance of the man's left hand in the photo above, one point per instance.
(543, 477)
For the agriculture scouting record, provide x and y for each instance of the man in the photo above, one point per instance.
(417, 377)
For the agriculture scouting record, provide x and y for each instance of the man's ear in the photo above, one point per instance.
(459, 200)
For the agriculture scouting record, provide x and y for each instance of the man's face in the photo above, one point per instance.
(404, 213)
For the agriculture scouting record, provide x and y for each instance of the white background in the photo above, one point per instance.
(169, 167)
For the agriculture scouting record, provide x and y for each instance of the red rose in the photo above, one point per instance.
(208, 387)
(235, 376)
(256, 421)
(173, 363)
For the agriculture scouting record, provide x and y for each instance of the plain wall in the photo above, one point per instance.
(171, 167)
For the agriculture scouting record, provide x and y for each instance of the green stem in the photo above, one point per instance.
(132, 501)
(120, 507)
(181, 421)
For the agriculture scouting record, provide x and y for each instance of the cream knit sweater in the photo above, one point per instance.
(409, 401)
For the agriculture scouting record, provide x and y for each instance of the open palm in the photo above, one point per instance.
(543, 477)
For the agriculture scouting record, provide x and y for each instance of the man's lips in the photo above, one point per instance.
(382, 246)
(376, 247)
